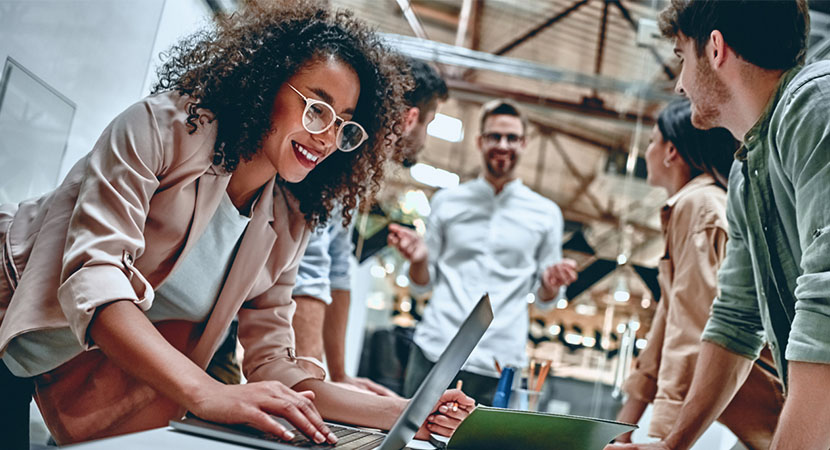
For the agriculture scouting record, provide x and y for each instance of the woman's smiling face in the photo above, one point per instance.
(289, 147)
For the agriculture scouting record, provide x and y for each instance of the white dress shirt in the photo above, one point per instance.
(478, 242)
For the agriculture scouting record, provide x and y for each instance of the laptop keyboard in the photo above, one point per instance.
(347, 439)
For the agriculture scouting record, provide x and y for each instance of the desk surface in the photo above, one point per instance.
(169, 438)
(158, 438)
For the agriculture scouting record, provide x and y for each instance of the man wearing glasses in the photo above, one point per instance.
(492, 234)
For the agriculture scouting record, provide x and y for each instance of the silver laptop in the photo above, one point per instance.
(350, 438)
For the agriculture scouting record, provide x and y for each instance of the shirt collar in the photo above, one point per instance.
(509, 187)
(761, 127)
(695, 183)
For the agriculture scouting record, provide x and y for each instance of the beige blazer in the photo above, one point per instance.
(694, 224)
(115, 229)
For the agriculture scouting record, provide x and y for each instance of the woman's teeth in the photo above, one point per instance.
(308, 155)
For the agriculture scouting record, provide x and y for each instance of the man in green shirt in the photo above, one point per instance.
(742, 71)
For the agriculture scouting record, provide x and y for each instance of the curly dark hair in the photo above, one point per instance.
(235, 69)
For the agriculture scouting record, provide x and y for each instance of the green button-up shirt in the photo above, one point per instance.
(775, 280)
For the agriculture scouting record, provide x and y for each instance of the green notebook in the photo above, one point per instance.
(500, 429)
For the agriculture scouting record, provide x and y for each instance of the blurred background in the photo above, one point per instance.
(591, 74)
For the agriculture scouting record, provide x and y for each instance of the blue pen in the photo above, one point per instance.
(504, 388)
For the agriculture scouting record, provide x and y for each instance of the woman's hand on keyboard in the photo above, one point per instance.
(449, 412)
(254, 403)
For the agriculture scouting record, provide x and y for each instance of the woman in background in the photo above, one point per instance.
(195, 206)
(692, 165)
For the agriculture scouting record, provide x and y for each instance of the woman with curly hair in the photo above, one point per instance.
(193, 207)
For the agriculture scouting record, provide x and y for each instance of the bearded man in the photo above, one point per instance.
(492, 234)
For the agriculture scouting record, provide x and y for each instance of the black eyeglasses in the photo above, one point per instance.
(493, 139)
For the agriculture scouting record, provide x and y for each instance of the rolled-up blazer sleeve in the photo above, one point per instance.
(106, 232)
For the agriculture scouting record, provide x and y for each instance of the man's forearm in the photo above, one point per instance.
(804, 420)
(334, 333)
(308, 326)
(719, 374)
(631, 412)
(347, 406)
(419, 272)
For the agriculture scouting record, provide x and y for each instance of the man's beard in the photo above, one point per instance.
(495, 170)
(712, 92)
(409, 151)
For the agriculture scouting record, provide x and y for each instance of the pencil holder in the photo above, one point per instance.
(525, 399)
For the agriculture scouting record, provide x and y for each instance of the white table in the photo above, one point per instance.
(162, 438)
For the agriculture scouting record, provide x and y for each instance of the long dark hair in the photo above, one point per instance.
(710, 151)
(235, 70)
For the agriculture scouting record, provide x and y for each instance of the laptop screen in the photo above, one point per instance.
(440, 376)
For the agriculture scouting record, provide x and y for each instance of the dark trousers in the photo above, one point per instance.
(481, 388)
(224, 366)
(14, 413)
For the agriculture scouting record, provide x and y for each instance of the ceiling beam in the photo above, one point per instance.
(603, 28)
(412, 19)
(439, 17)
(631, 22)
(439, 52)
(587, 108)
(569, 164)
(464, 20)
(539, 28)
(584, 138)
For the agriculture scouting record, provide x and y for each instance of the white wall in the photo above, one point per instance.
(101, 54)
(179, 18)
(98, 53)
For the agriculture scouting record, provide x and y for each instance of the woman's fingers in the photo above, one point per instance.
(264, 422)
(444, 420)
(307, 394)
(298, 409)
(454, 411)
(302, 422)
(442, 425)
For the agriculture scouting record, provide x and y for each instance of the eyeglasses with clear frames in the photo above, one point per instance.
(319, 116)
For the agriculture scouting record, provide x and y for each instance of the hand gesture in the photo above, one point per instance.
(253, 404)
(560, 274)
(408, 242)
(452, 408)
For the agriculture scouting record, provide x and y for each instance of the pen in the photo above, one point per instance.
(498, 366)
(532, 374)
(543, 373)
(457, 386)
